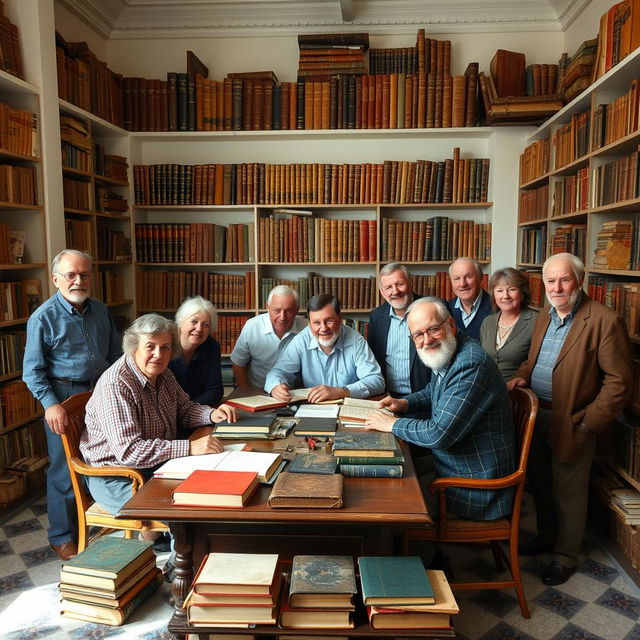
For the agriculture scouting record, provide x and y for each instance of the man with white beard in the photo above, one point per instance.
(331, 358)
(463, 415)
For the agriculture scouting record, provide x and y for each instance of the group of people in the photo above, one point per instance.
(446, 367)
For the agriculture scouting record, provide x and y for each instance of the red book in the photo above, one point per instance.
(216, 489)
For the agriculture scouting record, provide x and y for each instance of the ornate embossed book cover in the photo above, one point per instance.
(322, 581)
(365, 443)
(324, 463)
(306, 491)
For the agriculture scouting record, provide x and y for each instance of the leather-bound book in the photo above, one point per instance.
(236, 105)
(163, 123)
(142, 104)
(293, 105)
(458, 101)
(507, 70)
(437, 120)
(423, 100)
(300, 104)
(447, 99)
(199, 98)
(471, 75)
(191, 102)
(431, 101)
(284, 105)
(247, 103)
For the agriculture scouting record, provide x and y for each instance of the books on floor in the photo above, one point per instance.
(264, 463)
(235, 588)
(372, 444)
(321, 593)
(216, 489)
(433, 616)
(306, 491)
(107, 581)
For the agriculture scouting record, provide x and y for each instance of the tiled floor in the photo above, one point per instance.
(599, 601)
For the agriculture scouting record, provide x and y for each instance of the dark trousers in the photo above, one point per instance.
(560, 492)
(61, 504)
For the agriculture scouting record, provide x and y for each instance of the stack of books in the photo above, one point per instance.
(108, 580)
(320, 593)
(577, 75)
(324, 55)
(368, 454)
(248, 426)
(235, 589)
(613, 245)
(400, 594)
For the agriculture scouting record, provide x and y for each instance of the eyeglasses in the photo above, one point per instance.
(71, 277)
(431, 332)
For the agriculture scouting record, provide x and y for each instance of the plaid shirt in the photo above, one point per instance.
(131, 423)
(468, 426)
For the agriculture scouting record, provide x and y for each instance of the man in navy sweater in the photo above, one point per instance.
(472, 303)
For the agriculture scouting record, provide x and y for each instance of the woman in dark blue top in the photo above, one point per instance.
(198, 369)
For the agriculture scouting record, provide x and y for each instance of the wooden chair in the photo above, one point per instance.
(452, 529)
(89, 512)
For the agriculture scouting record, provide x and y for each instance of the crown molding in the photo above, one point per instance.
(128, 19)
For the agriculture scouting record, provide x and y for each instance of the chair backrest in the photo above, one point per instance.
(75, 408)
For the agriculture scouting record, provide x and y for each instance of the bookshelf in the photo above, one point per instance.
(585, 189)
(23, 271)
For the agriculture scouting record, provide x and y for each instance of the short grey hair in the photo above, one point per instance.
(193, 305)
(392, 267)
(55, 263)
(475, 263)
(151, 324)
(283, 290)
(442, 310)
(575, 264)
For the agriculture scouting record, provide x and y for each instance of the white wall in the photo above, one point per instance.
(586, 25)
(73, 29)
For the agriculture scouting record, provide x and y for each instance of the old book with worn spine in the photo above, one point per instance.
(307, 491)
(322, 582)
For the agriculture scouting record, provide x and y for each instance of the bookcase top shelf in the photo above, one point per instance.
(28, 265)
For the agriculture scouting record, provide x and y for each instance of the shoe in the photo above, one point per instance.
(556, 573)
(535, 547)
(66, 550)
(162, 544)
(169, 569)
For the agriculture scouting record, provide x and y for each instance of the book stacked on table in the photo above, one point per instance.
(368, 454)
(321, 593)
(248, 426)
(235, 589)
(400, 594)
(107, 581)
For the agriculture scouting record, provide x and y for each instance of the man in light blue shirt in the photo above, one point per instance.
(71, 340)
(331, 358)
(264, 338)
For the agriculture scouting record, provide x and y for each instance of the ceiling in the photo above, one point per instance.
(183, 18)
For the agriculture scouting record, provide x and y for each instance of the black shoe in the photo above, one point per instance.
(535, 547)
(556, 573)
(162, 543)
(169, 569)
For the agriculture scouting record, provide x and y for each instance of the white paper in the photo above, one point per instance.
(318, 411)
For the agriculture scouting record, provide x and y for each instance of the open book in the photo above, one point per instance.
(357, 409)
(262, 462)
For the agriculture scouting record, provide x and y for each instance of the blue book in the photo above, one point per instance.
(314, 462)
(388, 581)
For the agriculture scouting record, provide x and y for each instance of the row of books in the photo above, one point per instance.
(616, 181)
(320, 55)
(622, 297)
(618, 497)
(10, 50)
(11, 244)
(533, 245)
(77, 235)
(112, 244)
(11, 352)
(247, 589)
(87, 82)
(534, 204)
(576, 71)
(536, 288)
(107, 581)
(535, 160)
(304, 239)
(616, 242)
(18, 300)
(18, 131)
(17, 403)
(570, 238)
(435, 239)
(76, 194)
(571, 193)
(167, 289)
(621, 443)
(616, 119)
(109, 201)
(108, 286)
(74, 157)
(109, 165)
(27, 441)
(229, 328)
(571, 140)
(195, 242)
(391, 182)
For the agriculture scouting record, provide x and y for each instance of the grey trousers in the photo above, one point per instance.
(560, 492)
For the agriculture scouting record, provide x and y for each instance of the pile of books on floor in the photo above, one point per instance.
(324, 55)
(108, 580)
(400, 594)
(235, 590)
(321, 592)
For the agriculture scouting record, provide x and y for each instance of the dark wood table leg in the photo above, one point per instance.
(183, 546)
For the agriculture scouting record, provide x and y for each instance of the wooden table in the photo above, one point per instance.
(375, 510)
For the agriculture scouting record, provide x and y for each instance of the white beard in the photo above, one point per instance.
(436, 358)
(328, 342)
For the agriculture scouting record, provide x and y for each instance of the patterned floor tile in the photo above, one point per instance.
(5, 548)
(598, 571)
(35, 632)
(503, 631)
(634, 634)
(498, 602)
(573, 632)
(38, 556)
(621, 603)
(47, 573)
(39, 508)
(96, 631)
(15, 582)
(602, 622)
(22, 527)
(560, 603)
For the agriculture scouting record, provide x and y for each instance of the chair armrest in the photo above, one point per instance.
(476, 483)
(126, 472)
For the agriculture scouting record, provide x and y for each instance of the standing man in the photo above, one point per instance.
(579, 365)
(71, 340)
(331, 358)
(264, 337)
(388, 335)
(472, 303)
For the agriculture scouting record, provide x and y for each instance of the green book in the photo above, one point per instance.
(396, 458)
(110, 557)
(316, 427)
(374, 444)
(314, 462)
(388, 581)
(247, 422)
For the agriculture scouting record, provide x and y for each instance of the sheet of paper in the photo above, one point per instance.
(318, 411)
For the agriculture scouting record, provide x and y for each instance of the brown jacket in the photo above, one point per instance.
(591, 377)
